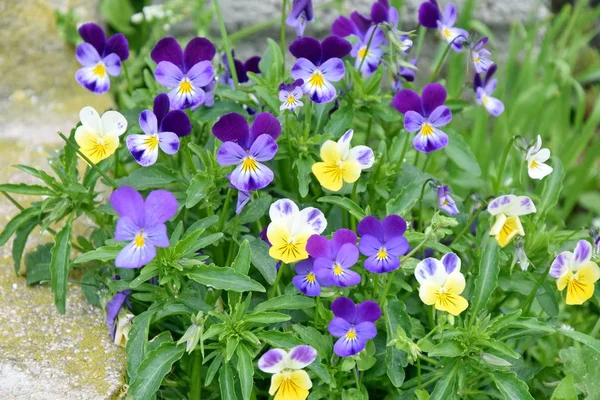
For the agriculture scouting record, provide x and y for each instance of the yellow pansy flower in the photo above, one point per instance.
(577, 272)
(507, 210)
(289, 381)
(98, 137)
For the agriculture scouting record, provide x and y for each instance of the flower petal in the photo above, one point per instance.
(242, 200)
(157, 235)
(396, 246)
(333, 69)
(148, 122)
(303, 69)
(256, 177)
(407, 100)
(347, 255)
(340, 238)
(128, 202)
(583, 252)
(117, 44)
(308, 48)
(433, 141)
(231, 127)
(90, 119)
(345, 308)
(369, 245)
(314, 219)
(142, 151)
(338, 327)
(319, 247)
(88, 79)
(201, 73)
(160, 206)
(132, 256)
(493, 105)
(230, 153)
(370, 226)
(393, 225)
(368, 311)
(451, 262)
(94, 35)
(126, 229)
(168, 50)
(429, 14)
(366, 330)
(344, 26)
(441, 116)
(434, 95)
(168, 75)
(301, 356)
(379, 265)
(561, 264)
(430, 270)
(455, 283)
(334, 47)
(87, 55)
(363, 155)
(168, 142)
(161, 107)
(265, 123)
(113, 123)
(273, 361)
(306, 287)
(449, 17)
(176, 121)
(198, 49)
(283, 210)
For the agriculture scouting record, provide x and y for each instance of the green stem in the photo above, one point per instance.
(502, 165)
(282, 31)
(419, 373)
(317, 305)
(367, 49)
(12, 200)
(116, 167)
(432, 317)
(353, 198)
(405, 148)
(596, 329)
(420, 223)
(443, 58)
(188, 162)
(468, 225)
(72, 145)
(224, 210)
(226, 44)
(127, 79)
(276, 283)
(420, 38)
(308, 111)
(356, 374)
(530, 297)
(196, 379)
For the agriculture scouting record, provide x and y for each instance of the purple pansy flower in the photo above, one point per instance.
(424, 115)
(290, 95)
(241, 69)
(247, 148)
(113, 307)
(99, 57)
(430, 16)
(382, 242)
(406, 73)
(484, 90)
(334, 258)
(187, 73)
(162, 128)
(353, 324)
(302, 12)
(445, 201)
(319, 64)
(480, 56)
(306, 280)
(142, 223)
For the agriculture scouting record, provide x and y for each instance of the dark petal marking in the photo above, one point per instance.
(198, 49)
(334, 47)
(167, 49)
(119, 45)
(307, 47)
(94, 35)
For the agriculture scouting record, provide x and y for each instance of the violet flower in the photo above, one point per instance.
(247, 148)
(302, 12)
(187, 73)
(290, 95)
(430, 16)
(382, 242)
(99, 57)
(424, 115)
(334, 258)
(141, 222)
(241, 69)
(162, 128)
(445, 201)
(113, 307)
(306, 280)
(319, 64)
(484, 90)
(353, 324)
(481, 56)
(408, 74)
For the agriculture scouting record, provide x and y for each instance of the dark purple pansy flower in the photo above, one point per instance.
(353, 324)
(484, 90)
(319, 64)
(445, 201)
(382, 242)
(247, 148)
(113, 307)
(142, 223)
(302, 12)
(162, 128)
(405, 73)
(241, 69)
(424, 115)
(99, 57)
(306, 280)
(430, 16)
(187, 73)
(334, 258)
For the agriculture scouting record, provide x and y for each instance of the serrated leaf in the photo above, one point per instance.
(255, 210)
(59, 266)
(241, 263)
(20, 241)
(447, 348)
(285, 302)
(394, 359)
(16, 222)
(197, 190)
(224, 278)
(582, 338)
(154, 176)
(38, 264)
(565, 390)
(22, 188)
(154, 368)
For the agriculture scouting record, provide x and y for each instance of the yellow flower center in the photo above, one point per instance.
(316, 79)
(382, 254)
(337, 269)
(446, 32)
(185, 87)
(311, 277)
(485, 100)
(99, 70)
(152, 142)
(139, 240)
(290, 101)
(445, 202)
(249, 165)
(98, 149)
(351, 335)
(290, 249)
(362, 52)
(427, 130)
(533, 164)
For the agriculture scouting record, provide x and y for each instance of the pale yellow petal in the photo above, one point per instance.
(428, 292)
(578, 292)
(511, 228)
(330, 152)
(351, 171)
(289, 390)
(562, 282)
(276, 381)
(453, 304)
(301, 379)
(588, 272)
(455, 283)
(329, 175)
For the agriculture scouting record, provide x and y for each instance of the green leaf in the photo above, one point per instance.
(213, 369)
(245, 371)
(444, 389)
(137, 342)
(22, 188)
(460, 153)
(47, 179)
(197, 190)
(487, 280)
(447, 348)
(262, 261)
(104, 253)
(285, 302)
(340, 120)
(584, 369)
(20, 241)
(271, 63)
(565, 390)
(38, 264)
(255, 210)
(224, 278)
(394, 360)
(532, 324)
(267, 317)
(280, 339)
(502, 321)
(346, 204)
(304, 166)
(226, 383)
(553, 185)
(582, 338)
(118, 14)
(18, 220)
(510, 386)
(241, 264)
(153, 369)
(59, 266)
(320, 342)
(154, 176)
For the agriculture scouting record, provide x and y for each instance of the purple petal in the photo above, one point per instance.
(314, 218)
(413, 121)
(168, 142)
(396, 246)
(167, 49)
(366, 330)
(201, 74)
(560, 265)
(126, 229)
(369, 245)
(168, 75)
(302, 356)
(333, 69)
(302, 69)
(451, 262)
(370, 226)
(198, 49)
(381, 265)
(429, 14)
(265, 123)
(264, 148)
(113, 64)
(231, 127)
(94, 35)
(345, 308)
(343, 26)
(143, 154)
(434, 95)
(583, 252)
(304, 267)
(379, 13)
(338, 327)
(177, 122)
(272, 361)
(367, 311)
(86, 78)
(441, 116)
(307, 47)
(345, 347)
(87, 55)
(161, 107)
(494, 106)
(449, 17)
(128, 202)
(157, 235)
(362, 23)
(148, 122)
(160, 207)
(340, 238)
(407, 100)
(251, 179)
(306, 287)
(113, 307)
(432, 142)
(242, 200)
(132, 256)
(347, 256)
(230, 153)
(335, 47)
(251, 65)
(319, 247)
(426, 269)
(118, 45)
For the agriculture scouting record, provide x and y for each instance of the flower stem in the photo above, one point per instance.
(12, 200)
(72, 145)
(196, 379)
(468, 225)
(276, 283)
(226, 45)
(530, 297)
(224, 210)
(420, 223)
(443, 58)
(502, 165)
(317, 305)
(420, 38)
(308, 111)
(282, 31)
(127, 79)
(367, 49)
(356, 374)
(354, 220)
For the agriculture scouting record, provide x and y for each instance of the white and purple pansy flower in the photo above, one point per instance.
(247, 148)
(577, 272)
(353, 324)
(445, 201)
(162, 129)
(302, 12)
(424, 115)
(113, 308)
(484, 89)
(142, 223)
(480, 56)
(319, 64)
(188, 73)
(290, 95)
(241, 69)
(382, 242)
(430, 16)
(334, 258)
(289, 380)
(99, 57)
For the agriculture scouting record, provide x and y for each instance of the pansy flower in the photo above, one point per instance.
(142, 223)
(319, 64)
(507, 210)
(442, 283)
(445, 201)
(187, 73)
(290, 229)
(247, 148)
(577, 272)
(99, 57)
(113, 318)
(341, 163)
(98, 137)
(306, 281)
(480, 56)
(302, 12)
(536, 161)
(484, 90)
(289, 380)
(430, 16)
(424, 115)
(334, 258)
(382, 242)
(162, 128)
(404, 73)
(290, 95)
(241, 69)
(353, 324)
